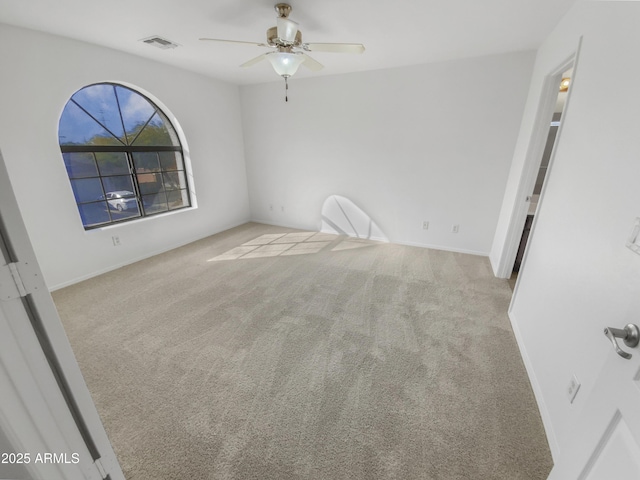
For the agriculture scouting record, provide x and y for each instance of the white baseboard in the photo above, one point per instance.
(441, 247)
(380, 239)
(142, 257)
(537, 391)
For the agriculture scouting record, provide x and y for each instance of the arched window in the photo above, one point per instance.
(122, 155)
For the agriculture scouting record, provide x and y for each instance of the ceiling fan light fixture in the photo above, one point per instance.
(285, 64)
(289, 53)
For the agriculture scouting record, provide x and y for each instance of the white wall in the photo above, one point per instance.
(578, 276)
(430, 142)
(39, 74)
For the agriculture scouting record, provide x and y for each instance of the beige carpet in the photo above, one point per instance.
(269, 353)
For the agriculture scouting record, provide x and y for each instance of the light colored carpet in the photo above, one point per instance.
(269, 353)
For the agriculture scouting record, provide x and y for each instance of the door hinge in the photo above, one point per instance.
(100, 468)
(20, 279)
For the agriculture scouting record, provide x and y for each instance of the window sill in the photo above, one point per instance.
(140, 220)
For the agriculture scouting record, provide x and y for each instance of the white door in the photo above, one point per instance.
(606, 442)
(46, 412)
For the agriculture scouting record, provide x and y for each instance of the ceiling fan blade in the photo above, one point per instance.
(311, 64)
(334, 47)
(287, 29)
(253, 61)
(255, 44)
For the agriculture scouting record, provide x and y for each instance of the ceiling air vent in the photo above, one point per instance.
(159, 42)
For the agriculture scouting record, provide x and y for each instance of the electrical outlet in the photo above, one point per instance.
(455, 228)
(116, 240)
(425, 225)
(572, 388)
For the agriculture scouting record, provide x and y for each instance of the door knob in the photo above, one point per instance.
(629, 334)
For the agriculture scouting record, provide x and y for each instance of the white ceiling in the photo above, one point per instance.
(395, 33)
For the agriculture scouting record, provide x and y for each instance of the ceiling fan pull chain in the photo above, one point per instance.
(286, 89)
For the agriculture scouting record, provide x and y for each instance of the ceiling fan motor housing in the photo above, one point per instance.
(274, 41)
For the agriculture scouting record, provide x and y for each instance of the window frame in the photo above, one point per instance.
(129, 151)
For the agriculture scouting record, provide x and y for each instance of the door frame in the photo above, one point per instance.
(533, 158)
(46, 405)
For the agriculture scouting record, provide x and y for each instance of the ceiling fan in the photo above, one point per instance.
(290, 51)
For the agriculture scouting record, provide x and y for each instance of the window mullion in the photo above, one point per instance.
(104, 192)
(144, 126)
(124, 129)
(96, 120)
(134, 178)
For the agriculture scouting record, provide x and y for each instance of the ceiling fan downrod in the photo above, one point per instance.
(283, 10)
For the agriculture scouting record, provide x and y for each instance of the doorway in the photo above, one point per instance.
(534, 196)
